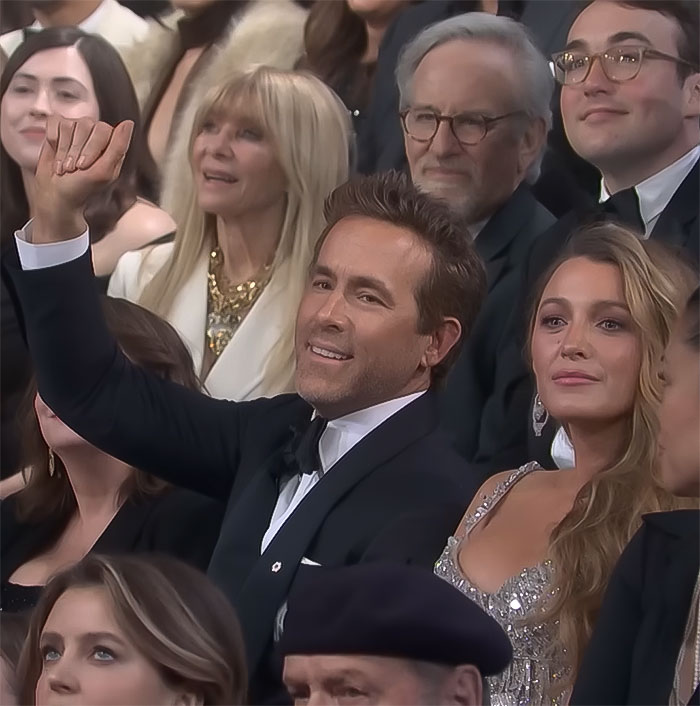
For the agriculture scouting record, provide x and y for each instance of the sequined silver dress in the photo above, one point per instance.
(539, 662)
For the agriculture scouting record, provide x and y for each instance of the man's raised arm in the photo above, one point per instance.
(157, 426)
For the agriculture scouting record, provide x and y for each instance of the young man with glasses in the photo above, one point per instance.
(630, 103)
(475, 98)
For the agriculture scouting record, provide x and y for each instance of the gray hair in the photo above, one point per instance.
(536, 79)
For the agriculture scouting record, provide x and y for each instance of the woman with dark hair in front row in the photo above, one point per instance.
(646, 645)
(122, 631)
(79, 499)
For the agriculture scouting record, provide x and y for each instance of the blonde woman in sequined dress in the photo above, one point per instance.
(267, 147)
(535, 548)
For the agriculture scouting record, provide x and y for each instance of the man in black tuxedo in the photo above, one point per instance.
(309, 478)
(475, 108)
(630, 101)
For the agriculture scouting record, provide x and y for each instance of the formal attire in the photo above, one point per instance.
(241, 452)
(177, 522)
(238, 372)
(633, 654)
(539, 663)
(666, 210)
(112, 21)
(470, 399)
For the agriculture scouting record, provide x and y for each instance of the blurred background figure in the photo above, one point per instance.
(195, 48)
(250, 209)
(168, 634)
(79, 499)
(644, 648)
(387, 634)
(63, 71)
(341, 45)
(117, 24)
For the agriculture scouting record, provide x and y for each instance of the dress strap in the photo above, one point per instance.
(488, 502)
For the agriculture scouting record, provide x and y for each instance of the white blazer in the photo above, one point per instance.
(238, 372)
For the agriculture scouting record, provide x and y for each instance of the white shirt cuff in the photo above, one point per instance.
(40, 255)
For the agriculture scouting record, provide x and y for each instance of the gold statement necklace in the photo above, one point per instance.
(228, 303)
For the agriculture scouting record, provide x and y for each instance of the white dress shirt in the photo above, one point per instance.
(563, 450)
(656, 192)
(339, 436)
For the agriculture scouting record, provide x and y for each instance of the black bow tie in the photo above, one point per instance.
(624, 207)
(301, 454)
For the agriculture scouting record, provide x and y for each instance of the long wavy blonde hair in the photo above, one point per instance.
(608, 509)
(311, 133)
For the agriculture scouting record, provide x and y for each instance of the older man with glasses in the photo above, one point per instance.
(475, 98)
(630, 103)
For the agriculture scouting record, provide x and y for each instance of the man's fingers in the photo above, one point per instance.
(81, 134)
(112, 157)
(52, 131)
(65, 137)
(94, 147)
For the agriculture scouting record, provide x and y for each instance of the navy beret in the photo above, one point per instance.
(390, 610)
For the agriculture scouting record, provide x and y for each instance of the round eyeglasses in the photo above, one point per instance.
(621, 63)
(469, 128)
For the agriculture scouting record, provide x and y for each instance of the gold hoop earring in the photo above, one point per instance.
(52, 463)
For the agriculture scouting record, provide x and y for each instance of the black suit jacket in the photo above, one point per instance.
(471, 398)
(678, 226)
(231, 451)
(177, 522)
(632, 655)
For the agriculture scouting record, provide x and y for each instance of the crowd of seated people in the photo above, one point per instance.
(393, 397)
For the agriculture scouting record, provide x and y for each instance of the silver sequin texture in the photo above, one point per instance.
(539, 662)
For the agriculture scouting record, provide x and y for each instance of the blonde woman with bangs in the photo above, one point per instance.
(536, 548)
(266, 149)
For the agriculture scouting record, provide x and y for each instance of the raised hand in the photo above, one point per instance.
(78, 158)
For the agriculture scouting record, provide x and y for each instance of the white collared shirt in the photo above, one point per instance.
(656, 192)
(562, 450)
(339, 436)
(90, 24)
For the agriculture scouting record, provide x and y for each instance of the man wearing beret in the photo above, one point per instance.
(383, 633)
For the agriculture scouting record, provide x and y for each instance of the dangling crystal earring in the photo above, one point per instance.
(540, 415)
(52, 463)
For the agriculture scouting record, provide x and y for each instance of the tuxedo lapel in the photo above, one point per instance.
(266, 587)
(675, 225)
(247, 520)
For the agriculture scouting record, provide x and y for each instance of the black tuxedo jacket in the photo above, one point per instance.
(632, 655)
(231, 451)
(678, 226)
(471, 398)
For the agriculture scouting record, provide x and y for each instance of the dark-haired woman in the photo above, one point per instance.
(341, 44)
(646, 645)
(79, 499)
(65, 71)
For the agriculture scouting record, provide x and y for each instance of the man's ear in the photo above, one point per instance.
(442, 341)
(464, 687)
(691, 91)
(532, 143)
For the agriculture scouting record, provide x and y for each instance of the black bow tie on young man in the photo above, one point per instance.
(301, 455)
(624, 207)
